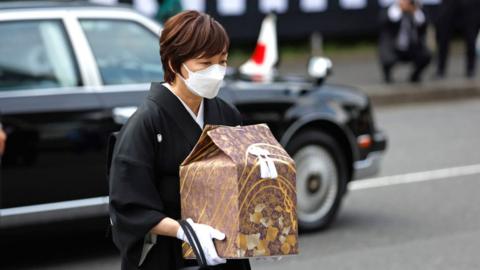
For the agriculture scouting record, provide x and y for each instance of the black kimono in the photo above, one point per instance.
(144, 177)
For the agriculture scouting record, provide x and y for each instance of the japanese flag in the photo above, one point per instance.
(262, 62)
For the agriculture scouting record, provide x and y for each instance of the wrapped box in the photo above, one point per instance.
(241, 181)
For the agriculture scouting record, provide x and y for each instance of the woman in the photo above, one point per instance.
(144, 177)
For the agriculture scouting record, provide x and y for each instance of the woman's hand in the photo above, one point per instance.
(205, 234)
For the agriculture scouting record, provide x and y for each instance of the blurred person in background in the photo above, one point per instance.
(402, 38)
(167, 9)
(464, 15)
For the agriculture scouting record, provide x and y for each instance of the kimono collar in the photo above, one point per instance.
(167, 101)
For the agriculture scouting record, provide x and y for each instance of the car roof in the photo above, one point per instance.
(9, 5)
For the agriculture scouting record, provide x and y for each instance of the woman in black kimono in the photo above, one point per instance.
(144, 175)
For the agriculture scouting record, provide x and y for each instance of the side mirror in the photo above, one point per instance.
(319, 68)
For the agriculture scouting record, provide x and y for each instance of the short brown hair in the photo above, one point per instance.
(188, 35)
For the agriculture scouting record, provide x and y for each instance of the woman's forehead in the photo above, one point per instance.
(205, 56)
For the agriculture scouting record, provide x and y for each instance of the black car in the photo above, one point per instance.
(70, 74)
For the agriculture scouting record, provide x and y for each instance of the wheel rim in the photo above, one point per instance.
(317, 183)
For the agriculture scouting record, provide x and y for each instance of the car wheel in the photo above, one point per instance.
(321, 178)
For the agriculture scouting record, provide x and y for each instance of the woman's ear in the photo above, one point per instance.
(175, 72)
(183, 72)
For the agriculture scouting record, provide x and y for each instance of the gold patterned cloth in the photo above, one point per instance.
(241, 181)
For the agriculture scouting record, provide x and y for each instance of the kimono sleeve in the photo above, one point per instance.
(135, 204)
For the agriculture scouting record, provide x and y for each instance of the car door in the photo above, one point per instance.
(53, 158)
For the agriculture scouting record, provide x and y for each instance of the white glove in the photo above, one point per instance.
(205, 234)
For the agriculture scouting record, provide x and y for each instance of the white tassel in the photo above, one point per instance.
(267, 165)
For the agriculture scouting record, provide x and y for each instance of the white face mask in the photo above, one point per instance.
(206, 82)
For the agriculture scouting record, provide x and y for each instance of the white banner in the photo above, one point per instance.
(313, 5)
(198, 5)
(353, 4)
(147, 7)
(231, 7)
(278, 6)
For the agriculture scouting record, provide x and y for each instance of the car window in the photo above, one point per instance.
(35, 54)
(126, 52)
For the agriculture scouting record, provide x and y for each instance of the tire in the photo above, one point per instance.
(321, 178)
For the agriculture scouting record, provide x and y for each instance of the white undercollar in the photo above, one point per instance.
(199, 119)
